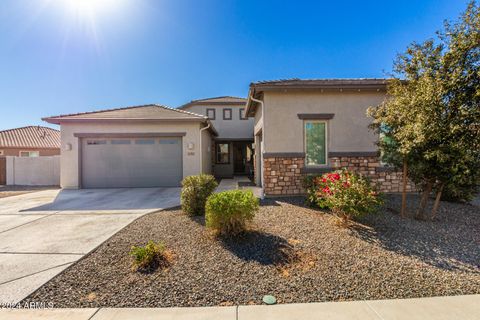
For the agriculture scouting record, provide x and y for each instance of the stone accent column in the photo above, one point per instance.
(282, 176)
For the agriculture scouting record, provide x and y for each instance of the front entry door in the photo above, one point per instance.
(242, 157)
(239, 157)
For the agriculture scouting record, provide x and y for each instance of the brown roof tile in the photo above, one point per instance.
(143, 112)
(224, 100)
(321, 83)
(30, 137)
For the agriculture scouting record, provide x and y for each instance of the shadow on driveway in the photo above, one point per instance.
(112, 199)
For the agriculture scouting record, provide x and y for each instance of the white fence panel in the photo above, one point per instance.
(33, 171)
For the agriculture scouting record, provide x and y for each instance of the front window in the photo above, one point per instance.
(29, 153)
(211, 114)
(223, 153)
(315, 143)
(242, 114)
(227, 114)
(386, 142)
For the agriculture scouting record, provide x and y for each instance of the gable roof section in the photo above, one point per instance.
(30, 137)
(224, 100)
(353, 84)
(150, 112)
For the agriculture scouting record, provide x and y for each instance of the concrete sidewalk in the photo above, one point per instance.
(236, 183)
(438, 308)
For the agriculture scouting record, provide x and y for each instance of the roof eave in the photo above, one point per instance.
(280, 87)
(212, 128)
(28, 147)
(82, 120)
(249, 105)
(216, 103)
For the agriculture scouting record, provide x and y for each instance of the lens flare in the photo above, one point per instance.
(89, 7)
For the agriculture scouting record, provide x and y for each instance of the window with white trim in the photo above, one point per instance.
(211, 114)
(242, 114)
(227, 114)
(315, 142)
(29, 153)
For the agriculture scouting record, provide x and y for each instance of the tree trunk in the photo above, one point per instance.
(423, 202)
(404, 189)
(437, 201)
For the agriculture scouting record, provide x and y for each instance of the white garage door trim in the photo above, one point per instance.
(174, 167)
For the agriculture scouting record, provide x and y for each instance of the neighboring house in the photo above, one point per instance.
(31, 141)
(315, 126)
(142, 146)
(233, 147)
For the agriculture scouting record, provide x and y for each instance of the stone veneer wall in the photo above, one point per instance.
(386, 179)
(284, 175)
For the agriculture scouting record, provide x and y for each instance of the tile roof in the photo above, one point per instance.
(142, 112)
(30, 137)
(224, 100)
(321, 83)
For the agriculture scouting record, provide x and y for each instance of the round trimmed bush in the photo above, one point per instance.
(346, 193)
(195, 191)
(228, 212)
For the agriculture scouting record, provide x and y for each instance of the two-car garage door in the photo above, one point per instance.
(131, 162)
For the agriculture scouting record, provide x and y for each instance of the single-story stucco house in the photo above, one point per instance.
(282, 131)
(30, 141)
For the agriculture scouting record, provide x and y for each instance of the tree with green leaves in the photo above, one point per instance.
(430, 121)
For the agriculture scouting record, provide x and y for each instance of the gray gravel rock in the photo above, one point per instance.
(295, 253)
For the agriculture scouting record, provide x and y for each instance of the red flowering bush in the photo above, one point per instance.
(347, 194)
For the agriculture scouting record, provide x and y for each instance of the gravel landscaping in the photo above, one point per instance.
(296, 253)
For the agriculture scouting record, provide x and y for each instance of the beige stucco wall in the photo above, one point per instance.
(33, 171)
(206, 151)
(227, 129)
(16, 151)
(347, 131)
(258, 119)
(70, 166)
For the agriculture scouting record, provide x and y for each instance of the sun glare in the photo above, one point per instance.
(90, 6)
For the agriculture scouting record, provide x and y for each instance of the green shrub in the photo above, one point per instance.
(228, 212)
(347, 194)
(195, 191)
(462, 191)
(148, 256)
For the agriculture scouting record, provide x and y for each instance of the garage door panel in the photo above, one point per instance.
(132, 163)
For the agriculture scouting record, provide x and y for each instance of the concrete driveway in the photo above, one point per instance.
(44, 232)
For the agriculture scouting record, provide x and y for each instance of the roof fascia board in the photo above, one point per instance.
(317, 87)
(122, 120)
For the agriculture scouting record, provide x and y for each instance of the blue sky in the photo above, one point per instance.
(57, 56)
